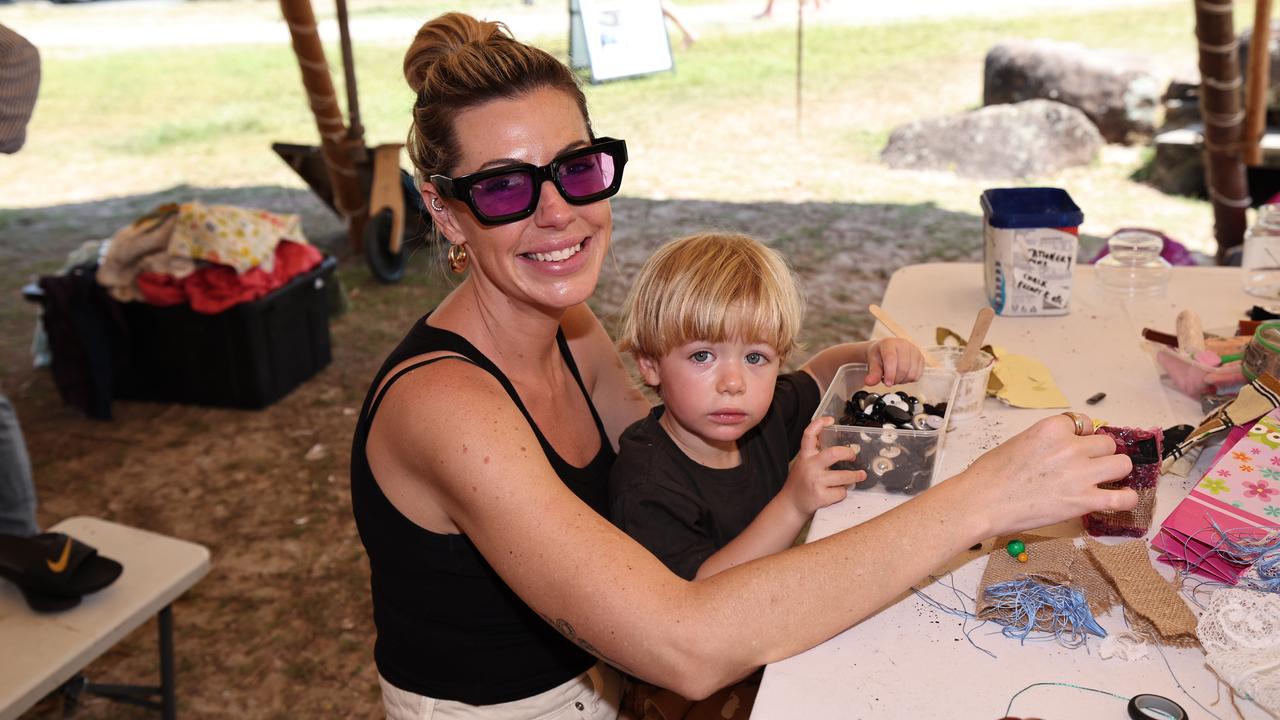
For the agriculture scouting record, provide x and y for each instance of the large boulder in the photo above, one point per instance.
(1027, 139)
(1118, 94)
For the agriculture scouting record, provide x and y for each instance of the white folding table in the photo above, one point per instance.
(40, 652)
(911, 660)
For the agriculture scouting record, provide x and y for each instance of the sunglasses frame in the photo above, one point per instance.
(459, 188)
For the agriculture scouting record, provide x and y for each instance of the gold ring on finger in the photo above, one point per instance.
(1082, 427)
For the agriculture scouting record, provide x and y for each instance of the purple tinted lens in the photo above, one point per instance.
(587, 175)
(503, 194)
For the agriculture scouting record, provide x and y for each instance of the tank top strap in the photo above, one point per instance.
(427, 338)
(573, 369)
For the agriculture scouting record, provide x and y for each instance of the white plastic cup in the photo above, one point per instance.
(971, 389)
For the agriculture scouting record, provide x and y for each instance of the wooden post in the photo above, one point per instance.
(1259, 80)
(1223, 122)
(348, 198)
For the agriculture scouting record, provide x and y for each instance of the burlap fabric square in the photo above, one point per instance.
(1153, 606)
(1054, 560)
(1107, 575)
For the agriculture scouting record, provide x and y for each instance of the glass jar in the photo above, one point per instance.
(1261, 258)
(1133, 265)
(1262, 354)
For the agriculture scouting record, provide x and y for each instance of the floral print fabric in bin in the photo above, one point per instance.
(241, 238)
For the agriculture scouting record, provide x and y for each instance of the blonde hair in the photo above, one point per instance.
(457, 62)
(713, 287)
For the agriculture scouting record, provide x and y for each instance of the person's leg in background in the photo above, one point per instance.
(670, 10)
(17, 491)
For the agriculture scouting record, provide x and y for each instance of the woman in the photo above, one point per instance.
(481, 455)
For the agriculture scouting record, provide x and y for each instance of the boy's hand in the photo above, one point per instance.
(893, 361)
(812, 483)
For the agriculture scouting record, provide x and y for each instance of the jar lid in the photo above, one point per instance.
(1267, 335)
(1133, 264)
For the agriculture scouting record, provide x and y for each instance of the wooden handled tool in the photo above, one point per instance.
(898, 331)
(979, 332)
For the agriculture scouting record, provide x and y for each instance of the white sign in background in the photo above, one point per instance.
(618, 38)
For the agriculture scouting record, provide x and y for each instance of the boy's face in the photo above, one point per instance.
(714, 392)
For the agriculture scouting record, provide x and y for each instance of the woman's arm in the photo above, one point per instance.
(450, 433)
(616, 397)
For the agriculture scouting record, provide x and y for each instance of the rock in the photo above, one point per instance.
(317, 452)
(1027, 139)
(1178, 165)
(1114, 90)
(1181, 102)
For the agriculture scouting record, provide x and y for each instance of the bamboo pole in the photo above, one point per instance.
(1223, 122)
(348, 198)
(1259, 80)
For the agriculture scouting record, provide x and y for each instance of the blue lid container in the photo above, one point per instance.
(1034, 207)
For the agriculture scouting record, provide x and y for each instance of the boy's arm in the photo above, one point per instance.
(810, 484)
(891, 361)
(824, 363)
(773, 530)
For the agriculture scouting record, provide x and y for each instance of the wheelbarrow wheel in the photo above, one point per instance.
(387, 267)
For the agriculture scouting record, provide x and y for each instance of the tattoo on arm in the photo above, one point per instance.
(566, 629)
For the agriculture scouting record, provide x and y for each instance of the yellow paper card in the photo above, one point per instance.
(1025, 382)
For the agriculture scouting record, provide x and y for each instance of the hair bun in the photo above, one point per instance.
(443, 36)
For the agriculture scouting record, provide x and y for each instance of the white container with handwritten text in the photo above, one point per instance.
(1029, 249)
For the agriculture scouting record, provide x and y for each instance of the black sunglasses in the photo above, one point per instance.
(509, 193)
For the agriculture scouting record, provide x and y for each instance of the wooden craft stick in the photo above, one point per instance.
(898, 331)
(980, 326)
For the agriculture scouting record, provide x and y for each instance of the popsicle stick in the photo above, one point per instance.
(979, 332)
(898, 331)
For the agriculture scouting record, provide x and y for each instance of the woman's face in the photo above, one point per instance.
(553, 257)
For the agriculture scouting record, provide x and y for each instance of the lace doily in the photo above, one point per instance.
(1240, 632)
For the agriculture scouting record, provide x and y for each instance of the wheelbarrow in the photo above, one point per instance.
(366, 187)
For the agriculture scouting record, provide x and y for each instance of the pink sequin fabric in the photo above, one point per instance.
(1144, 448)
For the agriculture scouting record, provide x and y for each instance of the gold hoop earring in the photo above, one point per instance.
(458, 258)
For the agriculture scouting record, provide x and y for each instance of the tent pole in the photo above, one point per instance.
(1223, 122)
(1259, 79)
(348, 198)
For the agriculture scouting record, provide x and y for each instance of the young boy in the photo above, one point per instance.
(703, 481)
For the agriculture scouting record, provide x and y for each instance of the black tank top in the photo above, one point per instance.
(448, 626)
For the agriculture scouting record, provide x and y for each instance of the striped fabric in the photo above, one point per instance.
(19, 83)
(1256, 399)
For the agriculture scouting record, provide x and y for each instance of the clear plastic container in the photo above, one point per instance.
(972, 388)
(912, 454)
(1261, 258)
(1133, 265)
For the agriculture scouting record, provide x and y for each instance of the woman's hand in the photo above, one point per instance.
(1046, 474)
(893, 361)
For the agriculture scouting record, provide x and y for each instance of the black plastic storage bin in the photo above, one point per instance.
(247, 356)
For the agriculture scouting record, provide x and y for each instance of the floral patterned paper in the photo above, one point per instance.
(1240, 492)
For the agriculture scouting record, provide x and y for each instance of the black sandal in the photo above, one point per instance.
(54, 570)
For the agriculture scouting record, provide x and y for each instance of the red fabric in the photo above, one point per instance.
(214, 288)
(162, 290)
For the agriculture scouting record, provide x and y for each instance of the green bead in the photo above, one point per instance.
(1016, 548)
